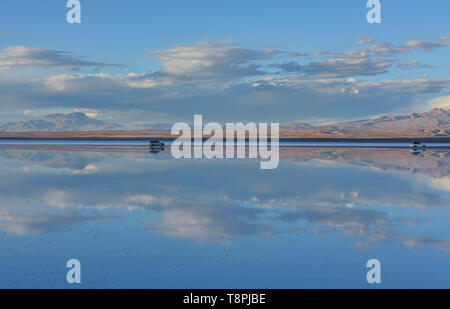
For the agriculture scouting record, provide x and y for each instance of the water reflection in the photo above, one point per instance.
(369, 196)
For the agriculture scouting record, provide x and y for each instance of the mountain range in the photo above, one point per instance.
(59, 122)
(435, 123)
(74, 122)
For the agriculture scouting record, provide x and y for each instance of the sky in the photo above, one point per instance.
(144, 62)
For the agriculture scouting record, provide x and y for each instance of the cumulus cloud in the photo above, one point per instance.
(412, 64)
(281, 97)
(24, 223)
(440, 183)
(85, 82)
(226, 212)
(196, 218)
(212, 59)
(299, 54)
(334, 86)
(31, 57)
(381, 48)
(219, 78)
(374, 60)
(336, 68)
(443, 41)
(406, 86)
(440, 102)
(320, 52)
(376, 48)
(58, 198)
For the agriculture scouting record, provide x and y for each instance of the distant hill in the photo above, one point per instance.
(59, 122)
(161, 126)
(435, 123)
(297, 126)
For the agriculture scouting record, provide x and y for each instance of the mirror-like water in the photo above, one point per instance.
(136, 219)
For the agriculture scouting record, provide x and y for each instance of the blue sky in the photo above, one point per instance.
(162, 61)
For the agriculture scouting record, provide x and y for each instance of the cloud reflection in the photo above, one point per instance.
(353, 192)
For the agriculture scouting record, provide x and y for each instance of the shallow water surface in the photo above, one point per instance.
(141, 220)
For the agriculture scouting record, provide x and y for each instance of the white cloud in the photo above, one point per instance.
(441, 102)
(31, 57)
(219, 78)
(440, 183)
(211, 59)
(92, 113)
(58, 198)
(338, 67)
(85, 82)
(386, 49)
(411, 64)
